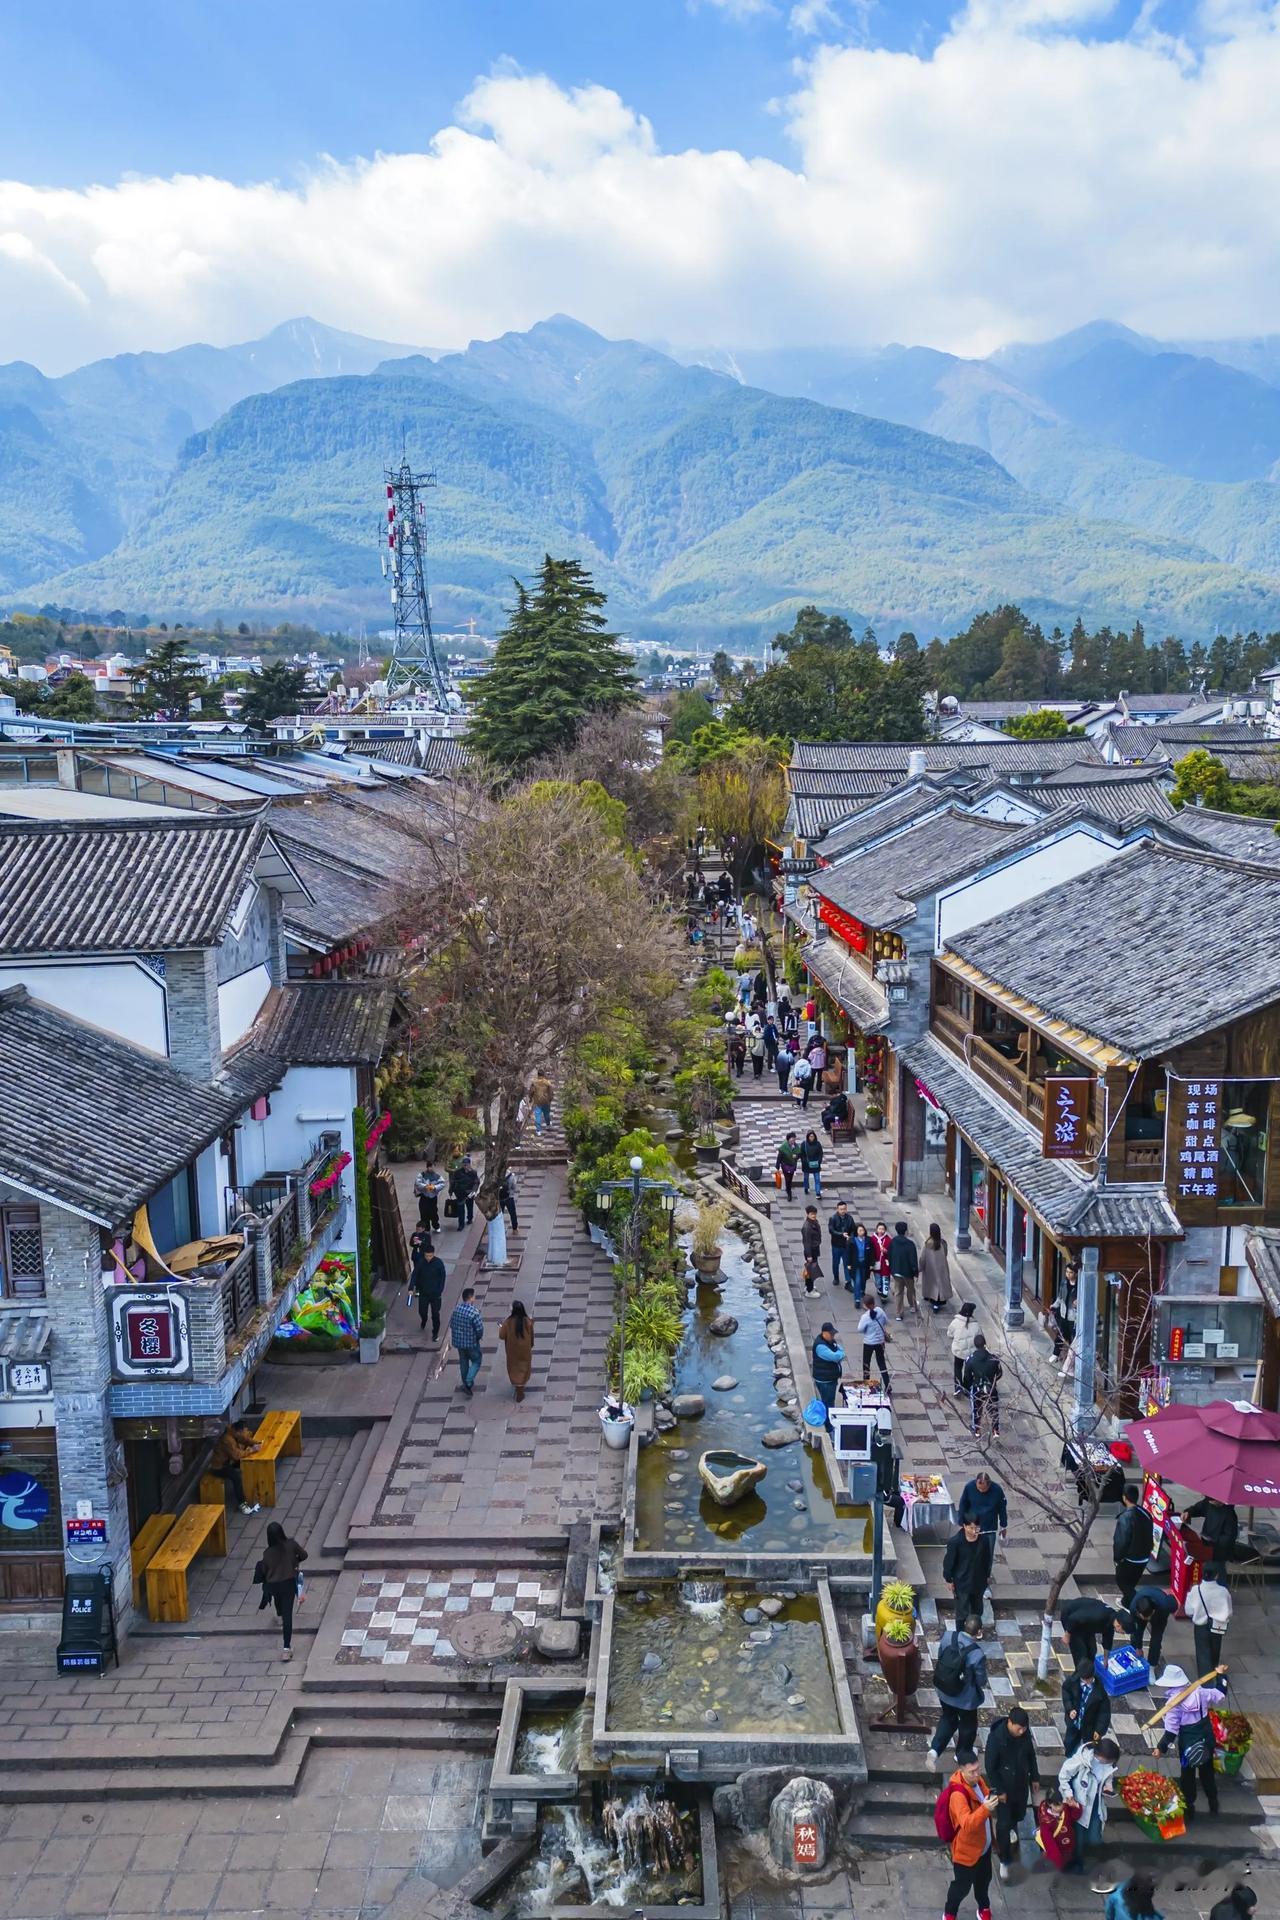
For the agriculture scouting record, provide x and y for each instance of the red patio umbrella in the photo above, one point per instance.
(1229, 1450)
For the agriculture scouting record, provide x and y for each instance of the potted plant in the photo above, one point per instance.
(897, 1602)
(873, 1114)
(373, 1325)
(899, 1652)
(706, 1146)
(712, 1218)
(1155, 1802)
(1234, 1737)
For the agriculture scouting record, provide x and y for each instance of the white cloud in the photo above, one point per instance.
(1024, 176)
(814, 17)
(736, 9)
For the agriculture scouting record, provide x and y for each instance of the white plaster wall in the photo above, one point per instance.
(311, 1101)
(116, 996)
(239, 1001)
(972, 901)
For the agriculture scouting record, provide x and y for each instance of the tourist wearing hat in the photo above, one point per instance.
(1187, 1727)
(828, 1364)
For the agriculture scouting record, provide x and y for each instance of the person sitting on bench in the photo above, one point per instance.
(235, 1444)
(837, 1112)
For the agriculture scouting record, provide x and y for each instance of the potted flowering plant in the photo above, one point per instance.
(897, 1602)
(1234, 1737)
(899, 1652)
(1155, 1802)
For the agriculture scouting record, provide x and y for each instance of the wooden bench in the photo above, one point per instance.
(746, 1189)
(279, 1435)
(842, 1130)
(213, 1490)
(198, 1530)
(149, 1536)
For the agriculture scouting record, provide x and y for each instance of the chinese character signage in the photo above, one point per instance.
(1194, 1151)
(805, 1843)
(1066, 1118)
(86, 1533)
(149, 1334)
(24, 1379)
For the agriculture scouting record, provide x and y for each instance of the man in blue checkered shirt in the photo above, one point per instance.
(466, 1331)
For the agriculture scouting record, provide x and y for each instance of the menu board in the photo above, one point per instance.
(1195, 1142)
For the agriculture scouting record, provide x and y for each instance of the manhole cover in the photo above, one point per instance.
(485, 1636)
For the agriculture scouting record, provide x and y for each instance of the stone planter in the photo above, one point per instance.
(900, 1666)
(873, 1122)
(370, 1348)
(707, 1264)
(707, 1154)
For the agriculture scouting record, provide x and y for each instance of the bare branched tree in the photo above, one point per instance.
(1038, 1435)
(619, 750)
(530, 919)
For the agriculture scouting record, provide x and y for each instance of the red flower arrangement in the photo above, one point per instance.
(331, 1176)
(1151, 1796)
(377, 1130)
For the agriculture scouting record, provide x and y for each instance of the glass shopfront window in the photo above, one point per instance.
(30, 1514)
(978, 1195)
(1242, 1139)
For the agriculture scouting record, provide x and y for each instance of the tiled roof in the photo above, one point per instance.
(997, 756)
(1137, 742)
(399, 751)
(1238, 836)
(1261, 762)
(97, 1126)
(24, 1336)
(110, 886)
(343, 904)
(1190, 734)
(878, 885)
(444, 755)
(882, 816)
(1123, 801)
(327, 1023)
(1064, 1199)
(1146, 952)
(844, 979)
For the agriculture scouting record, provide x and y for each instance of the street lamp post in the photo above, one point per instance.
(637, 1186)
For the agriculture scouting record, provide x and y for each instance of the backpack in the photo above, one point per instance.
(949, 1674)
(1195, 1742)
(942, 1815)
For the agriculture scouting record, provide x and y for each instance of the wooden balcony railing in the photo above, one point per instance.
(239, 1296)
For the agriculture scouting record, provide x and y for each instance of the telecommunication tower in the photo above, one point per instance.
(414, 665)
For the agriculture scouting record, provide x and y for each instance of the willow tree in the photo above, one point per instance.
(741, 800)
(533, 919)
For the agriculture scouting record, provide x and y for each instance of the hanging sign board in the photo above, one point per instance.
(150, 1334)
(1065, 1134)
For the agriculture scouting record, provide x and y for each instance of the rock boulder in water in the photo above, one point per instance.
(688, 1406)
(779, 1437)
(725, 1384)
(722, 1325)
(728, 1477)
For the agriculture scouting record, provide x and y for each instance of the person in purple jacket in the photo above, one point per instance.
(1186, 1726)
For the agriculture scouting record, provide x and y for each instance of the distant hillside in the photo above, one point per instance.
(83, 457)
(702, 504)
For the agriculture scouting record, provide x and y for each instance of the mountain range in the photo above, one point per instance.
(711, 493)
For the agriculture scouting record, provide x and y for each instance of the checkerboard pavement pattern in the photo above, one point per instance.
(406, 1622)
(763, 1125)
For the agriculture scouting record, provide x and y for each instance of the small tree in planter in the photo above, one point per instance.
(711, 1221)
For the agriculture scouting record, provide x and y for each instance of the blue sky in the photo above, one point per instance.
(730, 173)
(252, 92)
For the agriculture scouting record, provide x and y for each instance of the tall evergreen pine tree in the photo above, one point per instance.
(555, 663)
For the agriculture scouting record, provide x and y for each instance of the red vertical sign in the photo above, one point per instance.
(805, 1843)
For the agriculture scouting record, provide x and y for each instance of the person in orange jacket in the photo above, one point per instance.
(971, 1806)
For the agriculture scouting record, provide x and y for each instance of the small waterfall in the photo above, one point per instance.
(646, 1833)
(702, 1592)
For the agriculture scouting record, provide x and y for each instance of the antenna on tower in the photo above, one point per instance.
(414, 662)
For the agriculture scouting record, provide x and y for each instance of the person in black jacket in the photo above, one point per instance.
(966, 1567)
(1086, 1709)
(811, 1239)
(1219, 1528)
(1085, 1622)
(463, 1182)
(980, 1378)
(840, 1228)
(1011, 1769)
(1237, 1905)
(1131, 1545)
(428, 1284)
(1152, 1607)
(904, 1266)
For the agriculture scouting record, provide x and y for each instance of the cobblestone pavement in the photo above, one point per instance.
(363, 1826)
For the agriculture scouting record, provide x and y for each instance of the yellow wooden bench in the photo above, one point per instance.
(213, 1490)
(279, 1435)
(145, 1542)
(198, 1530)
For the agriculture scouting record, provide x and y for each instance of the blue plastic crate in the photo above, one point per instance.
(1124, 1670)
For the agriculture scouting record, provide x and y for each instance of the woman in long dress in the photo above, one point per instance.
(516, 1335)
(935, 1274)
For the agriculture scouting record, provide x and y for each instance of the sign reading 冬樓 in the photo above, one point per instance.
(1065, 1134)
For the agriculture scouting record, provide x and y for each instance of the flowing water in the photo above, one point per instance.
(675, 1661)
(550, 1739)
(791, 1510)
(641, 1852)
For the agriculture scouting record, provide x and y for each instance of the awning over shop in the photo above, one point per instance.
(847, 984)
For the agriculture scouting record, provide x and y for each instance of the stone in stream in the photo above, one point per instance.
(725, 1384)
(783, 1674)
(760, 1636)
(664, 1420)
(674, 1479)
(677, 1453)
(722, 1325)
(772, 1607)
(711, 1718)
(795, 1486)
(779, 1437)
(751, 1616)
(728, 1477)
(650, 1664)
(796, 1700)
(688, 1406)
